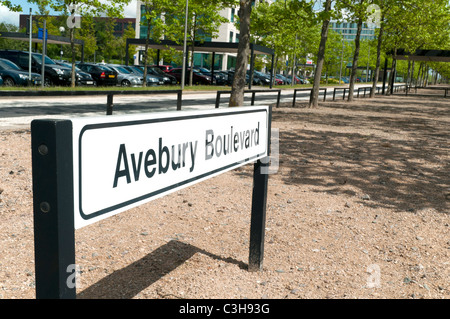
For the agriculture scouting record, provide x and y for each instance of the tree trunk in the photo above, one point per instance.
(377, 68)
(314, 98)
(238, 86)
(355, 60)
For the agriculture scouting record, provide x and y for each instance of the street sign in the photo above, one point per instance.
(88, 169)
(123, 161)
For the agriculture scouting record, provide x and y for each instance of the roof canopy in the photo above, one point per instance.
(424, 55)
(53, 39)
(223, 47)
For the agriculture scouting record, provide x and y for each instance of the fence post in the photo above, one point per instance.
(179, 95)
(253, 98)
(109, 104)
(293, 101)
(278, 98)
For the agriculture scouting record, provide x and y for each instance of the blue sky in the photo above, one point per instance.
(7, 16)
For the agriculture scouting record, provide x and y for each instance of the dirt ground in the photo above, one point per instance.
(359, 208)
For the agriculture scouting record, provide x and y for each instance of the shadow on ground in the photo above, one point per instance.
(129, 281)
(394, 149)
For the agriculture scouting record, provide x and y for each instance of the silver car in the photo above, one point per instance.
(124, 77)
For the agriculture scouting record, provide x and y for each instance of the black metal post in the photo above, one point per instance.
(109, 104)
(271, 71)
(54, 231)
(179, 99)
(384, 76)
(252, 66)
(259, 201)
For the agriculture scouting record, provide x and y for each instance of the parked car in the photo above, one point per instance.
(138, 71)
(158, 73)
(259, 78)
(125, 77)
(231, 77)
(103, 75)
(13, 75)
(164, 68)
(54, 74)
(197, 76)
(218, 76)
(82, 78)
(1, 81)
(167, 78)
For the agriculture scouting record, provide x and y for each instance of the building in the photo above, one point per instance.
(348, 30)
(119, 28)
(227, 33)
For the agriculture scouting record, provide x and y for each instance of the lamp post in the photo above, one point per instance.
(183, 71)
(62, 29)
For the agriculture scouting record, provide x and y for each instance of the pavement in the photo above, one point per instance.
(18, 112)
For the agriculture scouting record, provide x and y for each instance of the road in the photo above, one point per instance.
(18, 112)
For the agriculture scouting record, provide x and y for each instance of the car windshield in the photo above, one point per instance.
(158, 71)
(38, 59)
(8, 65)
(103, 68)
(204, 70)
(122, 70)
(70, 66)
(137, 69)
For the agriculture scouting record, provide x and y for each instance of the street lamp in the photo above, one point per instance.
(183, 71)
(62, 30)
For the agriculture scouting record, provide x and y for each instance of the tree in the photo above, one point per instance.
(154, 25)
(10, 6)
(357, 12)
(286, 27)
(238, 85)
(112, 8)
(203, 22)
(325, 16)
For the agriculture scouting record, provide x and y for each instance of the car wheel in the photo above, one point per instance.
(48, 82)
(126, 83)
(8, 82)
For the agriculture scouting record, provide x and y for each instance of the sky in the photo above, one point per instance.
(9, 17)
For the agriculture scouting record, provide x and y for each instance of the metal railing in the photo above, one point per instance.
(109, 95)
(253, 92)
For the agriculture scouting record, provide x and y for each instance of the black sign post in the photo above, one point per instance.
(54, 232)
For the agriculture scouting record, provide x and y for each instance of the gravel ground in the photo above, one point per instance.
(359, 208)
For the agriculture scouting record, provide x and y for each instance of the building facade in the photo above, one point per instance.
(348, 30)
(227, 33)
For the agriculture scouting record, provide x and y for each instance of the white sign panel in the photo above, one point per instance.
(124, 161)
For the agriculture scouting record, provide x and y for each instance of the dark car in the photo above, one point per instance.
(164, 68)
(197, 76)
(218, 76)
(54, 74)
(13, 75)
(82, 78)
(1, 81)
(260, 78)
(230, 74)
(101, 74)
(151, 78)
(167, 78)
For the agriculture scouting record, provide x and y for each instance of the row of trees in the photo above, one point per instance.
(294, 28)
